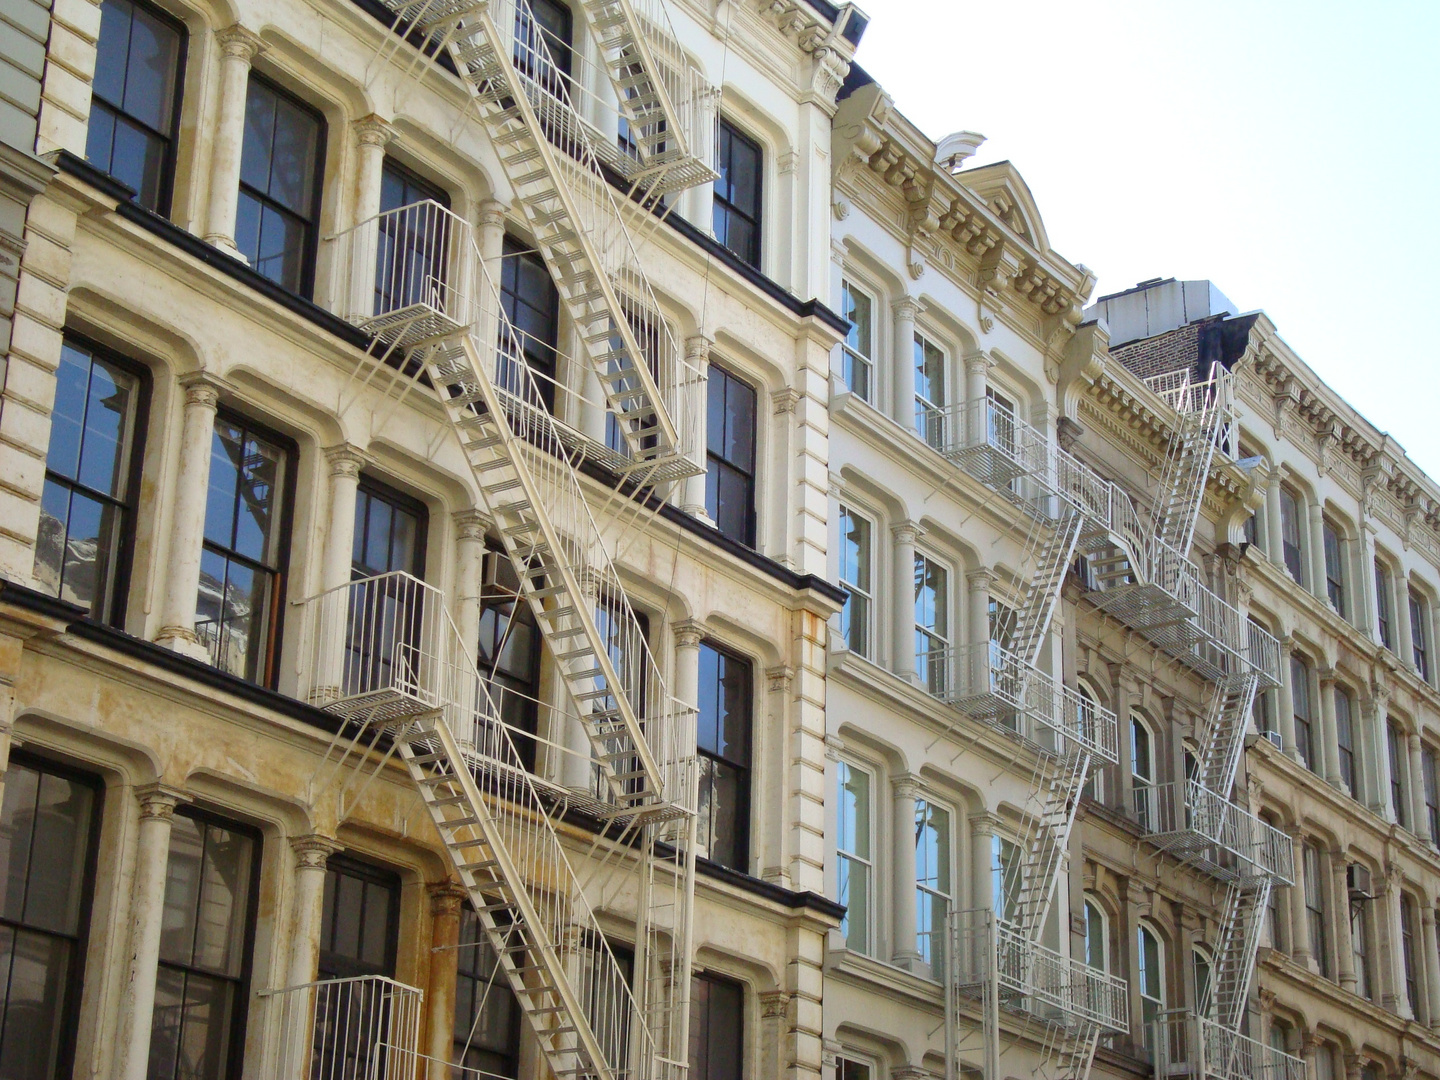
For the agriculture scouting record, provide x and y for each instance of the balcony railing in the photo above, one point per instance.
(1204, 829)
(1031, 978)
(345, 1029)
(990, 683)
(1191, 1046)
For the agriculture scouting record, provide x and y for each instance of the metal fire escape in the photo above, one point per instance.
(383, 655)
(996, 959)
(1195, 820)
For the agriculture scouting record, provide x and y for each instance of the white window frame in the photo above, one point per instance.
(931, 412)
(1158, 1003)
(1001, 900)
(1092, 903)
(1095, 782)
(1200, 954)
(935, 674)
(1146, 807)
(942, 894)
(865, 860)
(853, 589)
(851, 354)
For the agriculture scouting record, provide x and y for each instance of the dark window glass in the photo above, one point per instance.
(135, 99)
(237, 615)
(1252, 529)
(281, 164)
(532, 304)
(1334, 569)
(510, 651)
(723, 740)
(1395, 742)
(1407, 948)
(411, 250)
(385, 615)
(737, 194)
(717, 1029)
(197, 1030)
(1382, 606)
(543, 47)
(88, 506)
(487, 1016)
(1304, 716)
(929, 391)
(730, 455)
(389, 532)
(359, 922)
(1345, 737)
(647, 336)
(1290, 533)
(1315, 885)
(1432, 794)
(1419, 635)
(46, 862)
(845, 1069)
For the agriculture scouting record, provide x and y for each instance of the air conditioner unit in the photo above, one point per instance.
(1357, 881)
(1276, 738)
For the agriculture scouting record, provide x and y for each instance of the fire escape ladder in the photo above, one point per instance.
(1236, 948)
(1073, 1050)
(1223, 739)
(549, 152)
(1050, 550)
(1204, 413)
(1056, 789)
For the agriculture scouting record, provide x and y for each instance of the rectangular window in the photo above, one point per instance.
(360, 920)
(1315, 907)
(723, 743)
(1304, 716)
(1382, 607)
(242, 565)
(1345, 737)
(855, 580)
(930, 392)
(487, 1016)
(509, 653)
(411, 256)
(202, 985)
(532, 305)
(730, 455)
(858, 365)
(1407, 949)
(544, 31)
(932, 879)
(1006, 871)
(1395, 742)
(390, 532)
(932, 624)
(1252, 530)
(47, 824)
(847, 1069)
(135, 99)
(1432, 794)
(1360, 946)
(717, 1029)
(852, 842)
(1290, 533)
(281, 165)
(87, 509)
(1419, 634)
(1334, 569)
(739, 162)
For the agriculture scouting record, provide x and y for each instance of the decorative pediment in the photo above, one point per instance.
(1008, 197)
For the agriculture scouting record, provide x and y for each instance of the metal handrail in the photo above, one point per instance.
(1187, 1044)
(1183, 808)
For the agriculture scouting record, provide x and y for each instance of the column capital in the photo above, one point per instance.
(373, 130)
(906, 786)
(977, 361)
(907, 531)
(907, 307)
(313, 850)
(346, 460)
(471, 524)
(446, 897)
(1327, 676)
(775, 1004)
(984, 823)
(490, 213)
(202, 388)
(238, 43)
(689, 633)
(697, 349)
(1427, 915)
(159, 800)
(784, 400)
(779, 679)
(980, 580)
(1287, 645)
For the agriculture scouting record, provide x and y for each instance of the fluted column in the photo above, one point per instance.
(902, 644)
(903, 367)
(1329, 733)
(312, 852)
(1340, 905)
(470, 527)
(1286, 696)
(447, 900)
(187, 533)
(697, 355)
(238, 48)
(1419, 812)
(1428, 946)
(147, 913)
(903, 946)
(1274, 529)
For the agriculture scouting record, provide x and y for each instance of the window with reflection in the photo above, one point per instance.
(929, 361)
(532, 305)
(509, 656)
(730, 455)
(411, 256)
(1290, 534)
(386, 614)
(87, 508)
(736, 217)
(1420, 634)
(932, 879)
(48, 826)
(1334, 569)
(1345, 740)
(723, 743)
(1097, 937)
(857, 365)
(852, 842)
(202, 985)
(487, 1016)
(932, 623)
(1304, 712)
(1142, 773)
(1382, 607)
(247, 507)
(1395, 746)
(277, 218)
(360, 916)
(135, 99)
(1151, 979)
(1007, 873)
(544, 34)
(855, 534)
(1315, 885)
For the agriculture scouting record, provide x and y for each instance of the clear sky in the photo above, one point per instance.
(1288, 151)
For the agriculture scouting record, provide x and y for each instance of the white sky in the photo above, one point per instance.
(1285, 150)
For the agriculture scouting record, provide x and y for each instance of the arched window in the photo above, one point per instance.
(1151, 978)
(1142, 772)
(1097, 936)
(1088, 710)
(1200, 962)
